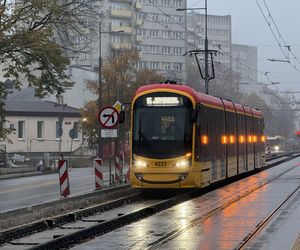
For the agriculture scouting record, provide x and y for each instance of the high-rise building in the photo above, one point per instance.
(244, 62)
(218, 34)
(153, 27)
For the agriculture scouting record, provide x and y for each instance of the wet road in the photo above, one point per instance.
(186, 226)
(27, 191)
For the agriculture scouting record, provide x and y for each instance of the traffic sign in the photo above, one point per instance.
(109, 133)
(118, 106)
(108, 117)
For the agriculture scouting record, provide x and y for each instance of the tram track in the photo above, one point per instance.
(218, 209)
(263, 223)
(100, 226)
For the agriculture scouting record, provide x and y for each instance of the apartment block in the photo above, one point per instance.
(244, 61)
(218, 34)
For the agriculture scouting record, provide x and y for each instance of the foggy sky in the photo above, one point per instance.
(250, 28)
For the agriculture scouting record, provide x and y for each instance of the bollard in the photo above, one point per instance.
(63, 178)
(98, 174)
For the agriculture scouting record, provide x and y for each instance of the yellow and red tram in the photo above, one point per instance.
(181, 138)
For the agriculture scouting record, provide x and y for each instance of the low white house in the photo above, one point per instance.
(41, 126)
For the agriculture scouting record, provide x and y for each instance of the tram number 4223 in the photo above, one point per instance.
(160, 164)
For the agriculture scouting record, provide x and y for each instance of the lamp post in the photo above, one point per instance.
(100, 143)
(206, 76)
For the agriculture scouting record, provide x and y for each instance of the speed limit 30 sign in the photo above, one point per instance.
(108, 117)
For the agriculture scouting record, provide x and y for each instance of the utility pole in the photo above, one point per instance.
(206, 77)
(100, 87)
(206, 52)
(100, 143)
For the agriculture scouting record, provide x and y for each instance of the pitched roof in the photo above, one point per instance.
(39, 108)
(25, 103)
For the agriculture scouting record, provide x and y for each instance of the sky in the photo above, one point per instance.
(250, 28)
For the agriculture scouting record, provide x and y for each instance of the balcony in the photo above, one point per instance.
(138, 5)
(121, 13)
(139, 22)
(139, 39)
(126, 29)
(121, 45)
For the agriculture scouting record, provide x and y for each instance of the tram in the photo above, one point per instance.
(275, 145)
(181, 138)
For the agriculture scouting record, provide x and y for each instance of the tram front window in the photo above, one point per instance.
(162, 131)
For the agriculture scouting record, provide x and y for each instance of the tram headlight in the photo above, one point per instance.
(182, 163)
(276, 148)
(140, 163)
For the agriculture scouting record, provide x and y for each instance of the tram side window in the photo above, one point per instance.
(210, 124)
(231, 133)
(250, 132)
(215, 133)
(220, 131)
(212, 128)
(242, 137)
(203, 129)
(259, 133)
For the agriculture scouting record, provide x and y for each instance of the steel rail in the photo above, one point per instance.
(58, 221)
(265, 221)
(72, 239)
(43, 225)
(158, 243)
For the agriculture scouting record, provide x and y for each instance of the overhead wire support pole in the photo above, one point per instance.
(100, 143)
(206, 76)
(100, 87)
(206, 52)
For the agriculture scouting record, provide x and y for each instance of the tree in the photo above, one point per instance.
(276, 116)
(121, 78)
(88, 124)
(36, 38)
(225, 84)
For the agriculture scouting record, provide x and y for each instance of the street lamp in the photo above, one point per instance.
(206, 76)
(100, 143)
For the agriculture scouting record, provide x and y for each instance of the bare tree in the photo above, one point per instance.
(121, 78)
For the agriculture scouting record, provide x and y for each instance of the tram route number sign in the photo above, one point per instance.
(108, 117)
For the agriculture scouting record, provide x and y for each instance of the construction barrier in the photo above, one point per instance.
(128, 174)
(98, 174)
(63, 178)
(119, 163)
(117, 169)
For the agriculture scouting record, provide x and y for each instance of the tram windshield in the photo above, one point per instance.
(162, 126)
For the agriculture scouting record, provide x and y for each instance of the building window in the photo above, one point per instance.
(40, 129)
(21, 129)
(75, 127)
(57, 130)
(178, 66)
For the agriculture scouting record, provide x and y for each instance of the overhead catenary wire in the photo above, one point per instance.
(218, 46)
(279, 35)
(191, 44)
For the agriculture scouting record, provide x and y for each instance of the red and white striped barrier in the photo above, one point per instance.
(119, 163)
(128, 174)
(98, 173)
(117, 169)
(63, 178)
